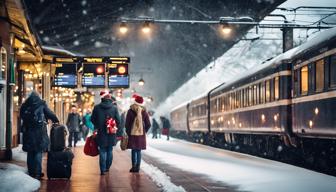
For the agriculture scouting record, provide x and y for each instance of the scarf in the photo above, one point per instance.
(137, 128)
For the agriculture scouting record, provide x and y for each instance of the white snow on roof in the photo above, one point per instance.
(60, 50)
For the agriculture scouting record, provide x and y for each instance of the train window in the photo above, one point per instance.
(268, 91)
(258, 93)
(262, 92)
(254, 94)
(304, 80)
(276, 88)
(319, 75)
(250, 96)
(242, 98)
(3, 63)
(332, 71)
(296, 83)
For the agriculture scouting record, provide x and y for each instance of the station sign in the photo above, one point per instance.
(92, 72)
(65, 75)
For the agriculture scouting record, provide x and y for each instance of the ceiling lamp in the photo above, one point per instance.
(141, 82)
(146, 27)
(123, 28)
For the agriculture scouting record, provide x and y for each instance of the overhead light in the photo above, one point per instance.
(146, 27)
(226, 29)
(123, 28)
(141, 82)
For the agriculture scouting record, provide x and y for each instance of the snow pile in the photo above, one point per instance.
(160, 178)
(14, 178)
(247, 172)
(19, 154)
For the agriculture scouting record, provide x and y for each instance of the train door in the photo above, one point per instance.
(3, 67)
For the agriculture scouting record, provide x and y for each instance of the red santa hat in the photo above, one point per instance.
(105, 94)
(138, 99)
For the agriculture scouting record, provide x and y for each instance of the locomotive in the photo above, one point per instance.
(283, 109)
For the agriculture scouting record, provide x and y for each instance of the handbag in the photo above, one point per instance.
(124, 142)
(91, 147)
(165, 131)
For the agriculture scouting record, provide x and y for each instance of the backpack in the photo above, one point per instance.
(35, 118)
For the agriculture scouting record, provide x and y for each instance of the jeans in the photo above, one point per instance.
(34, 163)
(105, 158)
(74, 135)
(136, 156)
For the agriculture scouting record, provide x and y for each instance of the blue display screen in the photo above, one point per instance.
(118, 81)
(93, 75)
(65, 75)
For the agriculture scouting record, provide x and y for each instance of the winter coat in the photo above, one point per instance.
(166, 123)
(87, 121)
(99, 116)
(73, 122)
(134, 141)
(35, 136)
(155, 126)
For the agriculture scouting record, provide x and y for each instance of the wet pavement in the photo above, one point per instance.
(86, 176)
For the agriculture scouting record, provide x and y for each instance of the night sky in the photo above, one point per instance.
(170, 56)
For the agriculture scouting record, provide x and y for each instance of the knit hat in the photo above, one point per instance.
(138, 99)
(105, 94)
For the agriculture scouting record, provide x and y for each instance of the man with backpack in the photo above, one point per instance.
(34, 113)
(106, 120)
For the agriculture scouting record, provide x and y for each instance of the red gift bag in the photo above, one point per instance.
(91, 147)
(165, 131)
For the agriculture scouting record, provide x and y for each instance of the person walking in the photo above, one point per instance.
(165, 126)
(73, 123)
(88, 123)
(34, 114)
(102, 116)
(155, 128)
(137, 124)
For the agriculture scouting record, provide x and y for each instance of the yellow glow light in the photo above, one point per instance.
(316, 111)
(123, 28)
(311, 124)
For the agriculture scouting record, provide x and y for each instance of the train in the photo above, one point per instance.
(283, 109)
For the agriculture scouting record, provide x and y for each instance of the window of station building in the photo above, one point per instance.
(258, 94)
(238, 98)
(3, 63)
(255, 94)
(319, 75)
(332, 70)
(268, 91)
(250, 96)
(304, 80)
(246, 96)
(242, 98)
(276, 88)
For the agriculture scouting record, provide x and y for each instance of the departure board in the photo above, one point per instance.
(118, 75)
(65, 75)
(93, 75)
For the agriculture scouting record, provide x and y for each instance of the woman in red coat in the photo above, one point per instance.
(137, 124)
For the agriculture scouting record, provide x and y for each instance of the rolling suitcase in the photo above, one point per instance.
(57, 137)
(59, 164)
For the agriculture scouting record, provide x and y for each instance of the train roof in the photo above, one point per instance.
(287, 56)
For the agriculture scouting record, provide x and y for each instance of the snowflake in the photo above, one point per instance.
(98, 44)
(41, 32)
(46, 39)
(91, 28)
(66, 16)
(76, 43)
(83, 2)
(120, 8)
(84, 12)
(151, 9)
(75, 34)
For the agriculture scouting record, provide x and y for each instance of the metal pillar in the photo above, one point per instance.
(287, 39)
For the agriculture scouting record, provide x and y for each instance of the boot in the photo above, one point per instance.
(132, 170)
(137, 168)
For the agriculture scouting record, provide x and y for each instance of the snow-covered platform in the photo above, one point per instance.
(211, 169)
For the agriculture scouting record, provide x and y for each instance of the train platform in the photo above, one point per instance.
(86, 176)
(179, 166)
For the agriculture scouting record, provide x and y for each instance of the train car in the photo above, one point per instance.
(314, 88)
(197, 115)
(179, 118)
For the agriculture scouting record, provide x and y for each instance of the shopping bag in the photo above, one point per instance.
(124, 142)
(91, 147)
(165, 131)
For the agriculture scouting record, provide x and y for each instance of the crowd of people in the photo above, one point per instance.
(136, 122)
